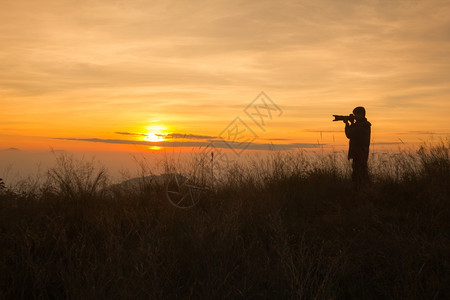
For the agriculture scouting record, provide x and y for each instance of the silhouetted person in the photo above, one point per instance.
(358, 131)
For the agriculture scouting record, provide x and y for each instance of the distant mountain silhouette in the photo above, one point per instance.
(142, 183)
(137, 181)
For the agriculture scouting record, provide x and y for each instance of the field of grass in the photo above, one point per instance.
(283, 227)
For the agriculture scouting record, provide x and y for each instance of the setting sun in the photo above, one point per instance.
(154, 137)
(155, 134)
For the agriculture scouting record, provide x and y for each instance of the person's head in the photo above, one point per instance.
(359, 113)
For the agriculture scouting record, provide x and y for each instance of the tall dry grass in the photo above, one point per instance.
(287, 226)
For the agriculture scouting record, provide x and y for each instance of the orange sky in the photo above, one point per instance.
(101, 75)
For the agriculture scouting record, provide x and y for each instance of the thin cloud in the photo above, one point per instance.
(188, 136)
(313, 130)
(387, 143)
(216, 144)
(416, 132)
(130, 133)
(278, 139)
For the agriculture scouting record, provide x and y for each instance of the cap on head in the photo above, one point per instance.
(360, 111)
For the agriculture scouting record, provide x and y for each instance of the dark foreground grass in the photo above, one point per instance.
(282, 231)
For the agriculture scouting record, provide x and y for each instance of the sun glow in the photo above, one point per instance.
(155, 134)
(154, 137)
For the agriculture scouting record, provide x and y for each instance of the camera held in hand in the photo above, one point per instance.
(345, 119)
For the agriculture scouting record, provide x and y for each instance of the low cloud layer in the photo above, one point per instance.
(130, 133)
(189, 136)
(220, 144)
(184, 136)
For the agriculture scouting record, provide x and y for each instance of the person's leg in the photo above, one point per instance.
(355, 174)
(353, 170)
(364, 172)
(360, 173)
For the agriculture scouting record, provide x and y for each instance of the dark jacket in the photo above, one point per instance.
(359, 135)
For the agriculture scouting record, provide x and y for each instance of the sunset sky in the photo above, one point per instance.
(136, 75)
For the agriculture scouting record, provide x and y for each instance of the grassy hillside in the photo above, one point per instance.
(283, 227)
